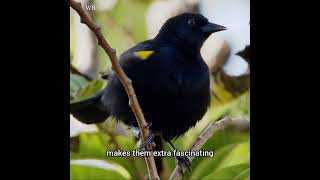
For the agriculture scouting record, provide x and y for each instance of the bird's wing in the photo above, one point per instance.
(139, 54)
(150, 66)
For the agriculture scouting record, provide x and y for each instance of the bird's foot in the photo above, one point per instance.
(137, 131)
(148, 144)
(183, 161)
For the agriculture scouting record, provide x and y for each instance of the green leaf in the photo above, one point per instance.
(226, 137)
(240, 154)
(128, 144)
(83, 88)
(96, 169)
(207, 166)
(77, 82)
(243, 175)
(91, 89)
(228, 156)
(95, 145)
(235, 172)
(91, 146)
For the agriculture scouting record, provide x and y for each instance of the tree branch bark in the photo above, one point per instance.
(127, 83)
(206, 135)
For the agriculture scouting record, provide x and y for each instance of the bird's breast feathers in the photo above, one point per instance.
(165, 65)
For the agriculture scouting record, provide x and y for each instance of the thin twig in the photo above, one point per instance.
(126, 82)
(205, 136)
(76, 71)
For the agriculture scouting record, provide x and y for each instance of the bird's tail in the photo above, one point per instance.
(89, 111)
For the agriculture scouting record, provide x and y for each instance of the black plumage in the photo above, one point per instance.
(169, 76)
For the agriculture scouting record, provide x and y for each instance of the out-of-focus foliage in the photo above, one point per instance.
(81, 89)
(123, 26)
(227, 87)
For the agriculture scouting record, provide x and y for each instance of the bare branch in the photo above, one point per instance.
(205, 136)
(74, 70)
(126, 82)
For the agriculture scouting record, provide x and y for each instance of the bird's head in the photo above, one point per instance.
(188, 29)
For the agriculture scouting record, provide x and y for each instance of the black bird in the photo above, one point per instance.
(169, 76)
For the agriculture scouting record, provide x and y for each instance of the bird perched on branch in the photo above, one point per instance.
(170, 78)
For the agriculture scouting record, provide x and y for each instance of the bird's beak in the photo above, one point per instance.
(212, 28)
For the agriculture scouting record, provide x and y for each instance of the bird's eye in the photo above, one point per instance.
(191, 22)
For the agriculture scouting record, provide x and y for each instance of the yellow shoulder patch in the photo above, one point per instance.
(144, 54)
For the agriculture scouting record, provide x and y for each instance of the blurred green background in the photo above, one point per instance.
(125, 23)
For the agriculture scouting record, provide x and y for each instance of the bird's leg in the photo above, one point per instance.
(182, 161)
(137, 131)
(149, 141)
(147, 126)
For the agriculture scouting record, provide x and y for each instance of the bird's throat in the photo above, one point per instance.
(183, 46)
